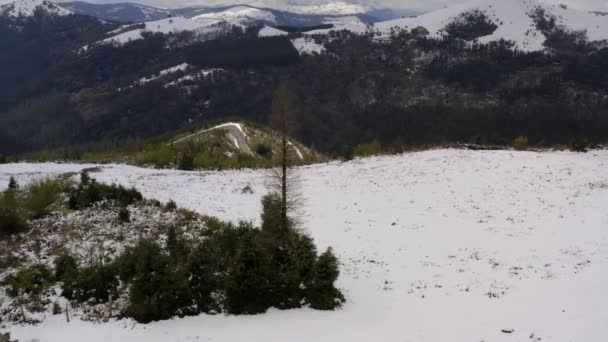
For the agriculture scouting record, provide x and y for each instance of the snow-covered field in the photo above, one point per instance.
(443, 245)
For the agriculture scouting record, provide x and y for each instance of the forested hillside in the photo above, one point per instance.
(407, 88)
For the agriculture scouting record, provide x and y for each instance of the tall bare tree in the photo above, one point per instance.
(283, 180)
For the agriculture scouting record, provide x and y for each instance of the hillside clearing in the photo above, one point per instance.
(443, 245)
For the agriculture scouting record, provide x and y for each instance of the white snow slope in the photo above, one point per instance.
(513, 19)
(166, 26)
(27, 8)
(444, 245)
(239, 14)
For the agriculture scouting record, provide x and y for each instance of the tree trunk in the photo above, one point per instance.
(284, 162)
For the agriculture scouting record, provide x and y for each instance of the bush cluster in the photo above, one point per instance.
(236, 269)
(12, 218)
(90, 192)
(18, 206)
(579, 145)
(521, 143)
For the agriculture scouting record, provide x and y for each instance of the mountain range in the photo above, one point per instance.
(135, 13)
(488, 69)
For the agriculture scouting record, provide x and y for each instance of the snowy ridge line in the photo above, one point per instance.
(27, 8)
(513, 18)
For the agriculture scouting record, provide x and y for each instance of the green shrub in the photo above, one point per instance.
(176, 245)
(263, 151)
(205, 277)
(579, 145)
(171, 206)
(249, 287)
(186, 162)
(12, 184)
(41, 195)
(124, 216)
(348, 153)
(95, 284)
(272, 215)
(322, 294)
(33, 281)
(92, 192)
(159, 290)
(66, 267)
(520, 143)
(160, 156)
(366, 150)
(84, 178)
(57, 310)
(12, 217)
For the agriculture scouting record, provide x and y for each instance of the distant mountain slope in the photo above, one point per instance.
(238, 15)
(26, 8)
(170, 25)
(514, 21)
(122, 12)
(244, 14)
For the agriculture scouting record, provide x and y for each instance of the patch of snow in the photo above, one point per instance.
(331, 8)
(297, 149)
(306, 45)
(348, 23)
(238, 15)
(227, 125)
(177, 68)
(200, 74)
(268, 31)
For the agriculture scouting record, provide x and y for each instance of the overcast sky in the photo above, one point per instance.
(601, 5)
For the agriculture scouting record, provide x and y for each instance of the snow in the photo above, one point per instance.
(331, 8)
(238, 14)
(268, 31)
(165, 26)
(297, 149)
(200, 74)
(172, 70)
(306, 45)
(442, 245)
(512, 17)
(27, 8)
(227, 125)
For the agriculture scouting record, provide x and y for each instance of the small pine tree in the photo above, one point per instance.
(322, 294)
(348, 153)
(186, 162)
(124, 215)
(248, 287)
(12, 184)
(159, 289)
(520, 143)
(171, 206)
(85, 179)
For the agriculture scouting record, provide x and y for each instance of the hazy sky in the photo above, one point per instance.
(601, 5)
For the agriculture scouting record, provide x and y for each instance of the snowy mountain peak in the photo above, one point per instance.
(238, 14)
(330, 8)
(27, 8)
(512, 20)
